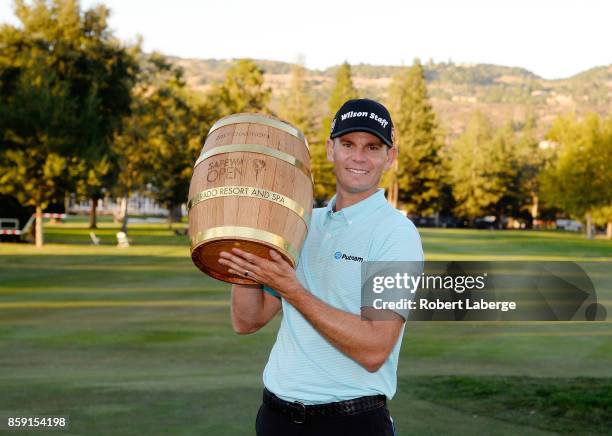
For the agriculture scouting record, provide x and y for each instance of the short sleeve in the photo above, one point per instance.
(400, 251)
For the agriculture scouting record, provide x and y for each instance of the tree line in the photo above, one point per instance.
(85, 113)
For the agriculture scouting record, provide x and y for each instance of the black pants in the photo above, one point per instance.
(374, 423)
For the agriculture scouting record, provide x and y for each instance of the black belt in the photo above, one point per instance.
(298, 412)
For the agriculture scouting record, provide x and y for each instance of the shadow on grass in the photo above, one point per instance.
(565, 405)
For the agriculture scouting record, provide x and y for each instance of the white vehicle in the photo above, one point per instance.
(569, 225)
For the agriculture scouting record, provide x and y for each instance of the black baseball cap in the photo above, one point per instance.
(363, 115)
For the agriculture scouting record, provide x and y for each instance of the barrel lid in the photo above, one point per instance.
(256, 118)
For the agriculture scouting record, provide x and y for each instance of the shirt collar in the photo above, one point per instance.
(363, 207)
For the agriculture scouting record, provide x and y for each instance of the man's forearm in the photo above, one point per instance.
(247, 307)
(348, 332)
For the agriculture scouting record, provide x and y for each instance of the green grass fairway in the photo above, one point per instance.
(138, 341)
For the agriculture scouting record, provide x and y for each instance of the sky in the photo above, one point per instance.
(551, 38)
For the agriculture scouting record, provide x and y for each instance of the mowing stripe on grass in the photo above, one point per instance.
(529, 334)
(82, 304)
(116, 290)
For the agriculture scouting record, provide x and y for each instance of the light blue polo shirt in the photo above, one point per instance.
(303, 365)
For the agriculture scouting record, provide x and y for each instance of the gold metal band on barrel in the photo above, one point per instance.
(255, 148)
(246, 232)
(253, 192)
(259, 119)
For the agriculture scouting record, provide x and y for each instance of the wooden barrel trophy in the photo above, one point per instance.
(252, 189)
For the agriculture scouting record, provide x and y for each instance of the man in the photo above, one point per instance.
(331, 370)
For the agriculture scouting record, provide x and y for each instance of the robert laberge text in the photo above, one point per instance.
(438, 304)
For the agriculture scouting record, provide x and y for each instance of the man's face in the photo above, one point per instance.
(359, 160)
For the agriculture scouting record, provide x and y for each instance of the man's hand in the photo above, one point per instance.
(276, 274)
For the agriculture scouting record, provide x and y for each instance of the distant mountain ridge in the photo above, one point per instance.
(503, 93)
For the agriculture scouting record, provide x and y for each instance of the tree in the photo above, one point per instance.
(578, 180)
(343, 90)
(132, 153)
(297, 106)
(50, 107)
(79, 53)
(112, 73)
(99, 176)
(159, 141)
(175, 138)
(418, 172)
(39, 125)
(242, 90)
(480, 168)
(602, 216)
(505, 174)
(529, 160)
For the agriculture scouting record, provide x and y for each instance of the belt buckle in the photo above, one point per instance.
(298, 416)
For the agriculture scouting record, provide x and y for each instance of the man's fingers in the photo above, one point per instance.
(280, 261)
(252, 258)
(232, 258)
(240, 260)
(238, 264)
(256, 260)
(277, 258)
(275, 265)
(230, 265)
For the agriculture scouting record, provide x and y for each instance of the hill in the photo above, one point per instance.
(456, 90)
